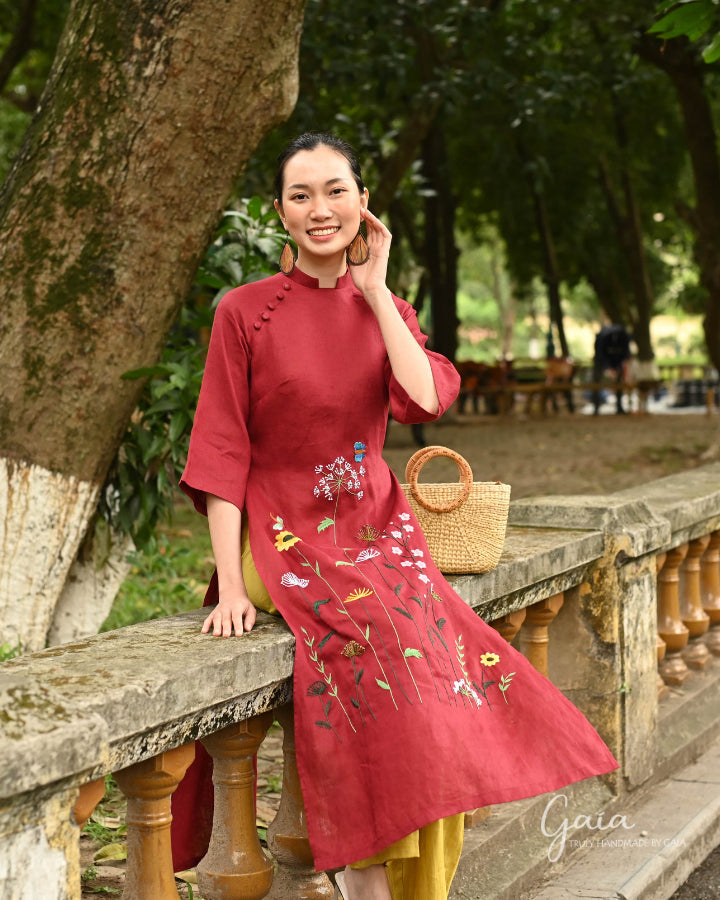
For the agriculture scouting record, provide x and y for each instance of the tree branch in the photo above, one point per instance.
(21, 41)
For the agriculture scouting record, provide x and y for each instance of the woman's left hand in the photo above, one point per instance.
(370, 277)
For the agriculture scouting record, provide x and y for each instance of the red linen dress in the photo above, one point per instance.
(408, 707)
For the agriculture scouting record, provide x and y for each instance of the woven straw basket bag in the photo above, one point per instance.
(464, 523)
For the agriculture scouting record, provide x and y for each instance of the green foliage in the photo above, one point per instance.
(10, 651)
(693, 19)
(138, 492)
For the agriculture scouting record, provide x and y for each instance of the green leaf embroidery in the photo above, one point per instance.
(416, 653)
(355, 703)
(323, 724)
(327, 636)
(417, 600)
(441, 624)
(316, 689)
(317, 604)
(359, 675)
(326, 523)
(383, 684)
(402, 611)
(397, 589)
(317, 567)
(342, 562)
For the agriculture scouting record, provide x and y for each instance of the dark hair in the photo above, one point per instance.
(309, 141)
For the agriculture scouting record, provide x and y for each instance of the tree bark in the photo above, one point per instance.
(552, 273)
(150, 111)
(440, 251)
(685, 68)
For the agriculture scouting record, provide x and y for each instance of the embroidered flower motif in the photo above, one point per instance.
(462, 687)
(290, 579)
(285, 540)
(279, 525)
(360, 451)
(408, 528)
(420, 564)
(368, 534)
(336, 476)
(406, 563)
(397, 551)
(424, 578)
(352, 648)
(404, 517)
(358, 594)
(489, 659)
(418, 553)
(396, 534)
(365, 555)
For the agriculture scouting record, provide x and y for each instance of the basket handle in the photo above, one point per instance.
(418, 460)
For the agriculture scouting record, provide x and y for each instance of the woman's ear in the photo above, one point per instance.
(364, 197)
(279, 211)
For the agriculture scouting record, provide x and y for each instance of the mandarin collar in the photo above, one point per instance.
(299, 277)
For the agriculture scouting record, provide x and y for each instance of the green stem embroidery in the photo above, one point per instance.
(327, 676)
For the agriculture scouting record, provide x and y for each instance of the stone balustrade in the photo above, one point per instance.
(615, 598)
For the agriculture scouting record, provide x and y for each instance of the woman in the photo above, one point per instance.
(409, 710)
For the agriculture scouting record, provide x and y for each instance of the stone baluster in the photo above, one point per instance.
(696, 620)
(287, 834)
(710, 591)
(671, 628)
(148, 786)
(662, 689)
(509, 625)
(89, 796)
(235, 866)
(534, 636)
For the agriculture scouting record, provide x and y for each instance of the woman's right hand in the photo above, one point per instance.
(237, 614)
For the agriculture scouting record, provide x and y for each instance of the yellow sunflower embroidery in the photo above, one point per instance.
(489, 659)
(284, 540)
(358, 593)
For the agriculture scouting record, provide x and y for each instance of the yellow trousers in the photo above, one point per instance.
(419, 866)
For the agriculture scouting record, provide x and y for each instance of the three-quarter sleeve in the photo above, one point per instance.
(219, 455)
(446, 377)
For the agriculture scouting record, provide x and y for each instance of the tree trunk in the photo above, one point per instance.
(149, 114)
(684, 66)
(440, 251)
(552, 273)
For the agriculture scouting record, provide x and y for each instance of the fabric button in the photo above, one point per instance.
(280, 295)
(265, 316)
(271, 305)
(286, 286)
(257, 326)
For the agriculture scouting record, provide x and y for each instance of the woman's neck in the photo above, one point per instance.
(327, 271)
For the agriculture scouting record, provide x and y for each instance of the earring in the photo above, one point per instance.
(358, 253)
(287, 258)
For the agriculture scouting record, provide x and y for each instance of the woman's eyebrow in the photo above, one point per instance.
(294, 187)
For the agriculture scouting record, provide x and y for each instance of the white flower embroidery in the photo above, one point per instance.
(397, 550)
(423, 578)
(290, 579)
(462, 687)
(396, 534)
(406, 562)
(335, 476)
(408, 528)
(420, 564)
(365, 555)
(418, 553)
(404, 517)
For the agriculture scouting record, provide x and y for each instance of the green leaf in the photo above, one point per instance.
(317, 604)
(112, 851)
(359, 675)
(384, 685)
(712, 52)
(367, 632)
(254, 207)
(397, 589)
(326, 523)
(323, 724)
(403, 612)
(327, 636)
(416, 653)
(355, 703)
(441, 624)
(343, 562)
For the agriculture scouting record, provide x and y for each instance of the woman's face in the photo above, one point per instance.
(320, 205)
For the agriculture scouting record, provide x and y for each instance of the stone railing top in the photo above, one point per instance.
(690, 501)
(97, 705)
